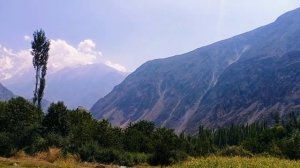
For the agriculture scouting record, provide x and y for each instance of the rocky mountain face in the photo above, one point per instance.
(239, 80)
(5, 94)
(76, 86)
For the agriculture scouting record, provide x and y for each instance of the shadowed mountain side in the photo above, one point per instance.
(178, 92)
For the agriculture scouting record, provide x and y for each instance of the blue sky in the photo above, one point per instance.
(130, 32)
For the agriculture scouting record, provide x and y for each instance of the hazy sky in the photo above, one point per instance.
(127, 32)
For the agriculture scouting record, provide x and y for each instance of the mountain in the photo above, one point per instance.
(76, 86)
(5, 94)
(238, 80)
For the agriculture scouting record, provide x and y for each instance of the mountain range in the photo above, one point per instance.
(239, 80)
(76, 86)
(5, 94)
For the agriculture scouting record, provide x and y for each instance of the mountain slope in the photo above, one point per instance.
(5, 94)
(252, 90)
(187, 90)
(77, 86)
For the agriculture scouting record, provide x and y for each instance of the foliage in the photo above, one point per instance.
(235, 151)
(56, 120)
(291, 145)
(23, 127)
(138, 137)
(6, 144)
(40, 47)
(21, 122)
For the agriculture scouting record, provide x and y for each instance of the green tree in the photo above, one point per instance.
(166, 144)
(2, 116)
(107, 136)
(291, 145)
(138, 137)
(22, 121)
(40, 47)
(56, 120)
(204, 142)
(83, 129)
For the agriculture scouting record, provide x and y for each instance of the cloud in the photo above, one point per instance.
(13, 63)
(87, 46)
(61, 55)
(116, 66)
(27, 38)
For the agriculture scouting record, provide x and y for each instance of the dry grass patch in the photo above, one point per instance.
(237, 162)
(53, 158)
(51, 155)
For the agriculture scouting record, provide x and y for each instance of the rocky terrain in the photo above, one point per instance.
(239, 80)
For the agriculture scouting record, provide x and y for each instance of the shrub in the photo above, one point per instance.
(291, 145)
(38, 144)
(254, 146)
(111, 156)
(139, 158)
(88, 151)
(235, 151)
(164, 158)
(178, 156)
(120, 157)
(55, 140)
(6, 145)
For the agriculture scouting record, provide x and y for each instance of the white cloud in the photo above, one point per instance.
(116, 66)
(27, 38)
(13, 63)
(87, 46)
(61, 55)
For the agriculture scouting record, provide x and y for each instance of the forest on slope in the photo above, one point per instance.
(24, 127)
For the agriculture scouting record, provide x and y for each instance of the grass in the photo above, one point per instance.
(24, 162)
(238, 162)
(48, 159)
(30, 162)
(205, 162)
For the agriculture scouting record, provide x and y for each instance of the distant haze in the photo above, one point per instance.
(78, 86)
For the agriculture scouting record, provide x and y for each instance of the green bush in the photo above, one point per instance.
(164, 157)
(55, 140)
(253, 145)
(38, 144)
(235, 151)
(139, 158)
(88, 151)
(178, 156)
(291, 145)
(120, 157)
(6, 144)
(114, 156)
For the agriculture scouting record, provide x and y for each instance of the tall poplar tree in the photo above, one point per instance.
(40, 48)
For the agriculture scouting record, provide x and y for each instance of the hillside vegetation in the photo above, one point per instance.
(203, 162)
(23, 127)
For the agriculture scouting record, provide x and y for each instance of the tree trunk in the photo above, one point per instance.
(36, 85)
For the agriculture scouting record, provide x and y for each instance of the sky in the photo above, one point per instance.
(124, 34)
